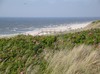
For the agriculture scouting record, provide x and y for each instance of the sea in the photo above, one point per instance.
(16, 25)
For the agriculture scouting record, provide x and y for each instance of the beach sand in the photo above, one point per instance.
(53, 30)
(57, 29)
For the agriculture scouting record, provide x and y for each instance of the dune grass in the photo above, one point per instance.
(94, 24)
(27, 54)
(80, 60)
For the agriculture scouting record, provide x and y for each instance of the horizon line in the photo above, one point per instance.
(50, 17)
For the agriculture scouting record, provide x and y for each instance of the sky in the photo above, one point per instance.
(49, 8)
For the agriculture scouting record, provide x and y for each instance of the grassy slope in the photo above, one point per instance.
(80, 60)
(26, 54)
(95, 24)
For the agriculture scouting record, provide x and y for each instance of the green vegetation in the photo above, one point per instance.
(29, 55)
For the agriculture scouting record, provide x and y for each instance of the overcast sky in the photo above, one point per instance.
(49, 8)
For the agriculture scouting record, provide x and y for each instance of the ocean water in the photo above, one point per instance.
(10, 26)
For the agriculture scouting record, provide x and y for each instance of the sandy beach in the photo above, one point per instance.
(52, 30)
(57, 29)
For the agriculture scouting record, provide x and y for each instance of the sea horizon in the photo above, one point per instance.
(20, 25)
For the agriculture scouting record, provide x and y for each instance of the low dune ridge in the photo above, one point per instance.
(94, 24)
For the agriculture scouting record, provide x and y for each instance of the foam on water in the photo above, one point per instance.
(40, 26)
(46, 30)
(9, 35)
(56, 29)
